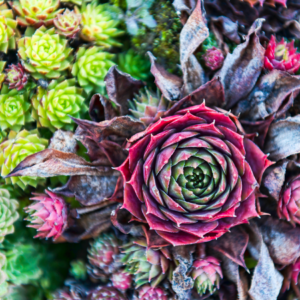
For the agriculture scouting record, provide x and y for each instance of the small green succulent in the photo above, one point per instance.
(90, 68)
(78, 269)
(14, 109)
(52, 107)
(45, 54)
(36, 12)
(99, 24)
(15, 149)
(137, 66)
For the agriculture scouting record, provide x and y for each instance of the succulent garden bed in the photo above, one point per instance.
(149, 150)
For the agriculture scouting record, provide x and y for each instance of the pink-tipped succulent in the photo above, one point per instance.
(106, 293)
(207, 273)
(282, 56)
(192, 176)
(213, 58)
(289, 201)
(152, 293)
(121, 280)
(48, 215)
(16, 77)
(68, 23)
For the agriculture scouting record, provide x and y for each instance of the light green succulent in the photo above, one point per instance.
(8, 213)
(52, 107)
(15, 149)
(14, 109)
(78, 269)
(36, 12)
(8, 29)
(99, 24)
(45, 54)
(90, 68)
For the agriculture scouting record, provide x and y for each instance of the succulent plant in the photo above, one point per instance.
(78, 269)
(90, 68)
(192, 176)
(64, 295)
(207, 273)
(16, 77)
(213, 58)
(68, 23)
(48, 215)
(106, 293)
(289, 201)
(282, 56)
(36, 12)
(121, 280)
(2, 74)
(8, 29)
(15, 149)
(45, 54)
(53, 106)
(146, 264)
(148, 106)
(146, 292)
(102, 254)
(8, 214)
(136, 65)
(14, 109)
(99, 25)
(3, 276)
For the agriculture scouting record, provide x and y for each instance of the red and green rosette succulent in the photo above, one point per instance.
(36, 12)
(192, 176)
(48, 215)
(16, 77)
(121, 280)
(289, 201)
(106, 293)
(282, 56)
(152, 293)
(68, 23)
(45, 54)
(207, 274)
(213, 58)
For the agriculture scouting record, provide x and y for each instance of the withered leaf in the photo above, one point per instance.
(121, 87)
(89, 189)
(51, 162)
(242, 68)
(169, 84)
(268, 95)
(120, 126)
(280, 135)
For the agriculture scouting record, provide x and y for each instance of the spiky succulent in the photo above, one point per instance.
(36, 12)
(16, 77)
(15, 109)
(8, 213)
(192, 176)
(52, 107)
(45, 54)
(106, 293)
(213, 58)
(8, 29)
(282, 56)
(103, 254)
(121, 280)
(68, 23)
(99, 25)
(152, 293)
(207, 273)
(146, 264)
(48, 215)
(136, 65)
(90, 68)
(148, 106)
(15, 149)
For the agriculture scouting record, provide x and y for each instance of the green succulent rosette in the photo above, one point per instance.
(8, 213)
(8, 29)
(53, 107)
(78, 269)
(45, 54)
(90, 68)
(15, 149)
(99, 25)
(14, 109)
(135, 65)
(36, 12)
